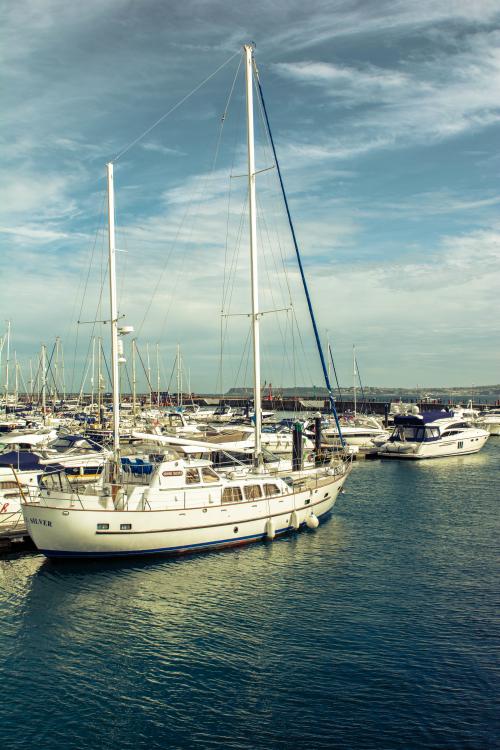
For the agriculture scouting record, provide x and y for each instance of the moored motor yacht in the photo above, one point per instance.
(490, 420)
(432, 435)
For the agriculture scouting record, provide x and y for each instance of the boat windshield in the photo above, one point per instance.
(415, 434)
(61, 444)
(56, 480)
(411, 434)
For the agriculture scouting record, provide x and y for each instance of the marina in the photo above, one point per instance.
(249, 409)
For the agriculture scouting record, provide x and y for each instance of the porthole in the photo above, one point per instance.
(235, 529)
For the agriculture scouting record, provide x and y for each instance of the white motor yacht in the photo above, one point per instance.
(432, 435)
(490, 420)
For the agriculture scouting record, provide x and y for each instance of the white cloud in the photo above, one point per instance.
(158, 148)
(354, 85)
(383, 20)
(431, 98)
(34, 233)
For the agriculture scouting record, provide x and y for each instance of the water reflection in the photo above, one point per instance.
(373, 631)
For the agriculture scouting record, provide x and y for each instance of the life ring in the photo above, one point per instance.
(4, 507)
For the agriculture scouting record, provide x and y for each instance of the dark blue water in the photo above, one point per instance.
(377, 630)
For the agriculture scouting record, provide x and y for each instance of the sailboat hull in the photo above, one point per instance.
(71, 532)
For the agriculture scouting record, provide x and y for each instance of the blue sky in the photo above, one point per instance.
(386, 118)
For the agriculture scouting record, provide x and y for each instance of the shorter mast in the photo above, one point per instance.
(16, 379)
(114, 311)
(92, 379)
(158, 375)
(134, 380)
(7, 367)
(44, 382)
(31, 382)
(149, 378)
(178, 363)
(99, 377)
(354, 373)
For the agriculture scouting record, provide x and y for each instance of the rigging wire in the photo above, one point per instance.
(299, 260)
(172, 109)
(96, 235)
(194, 200)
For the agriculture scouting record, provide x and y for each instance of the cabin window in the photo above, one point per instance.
(271, 489)
(192, 476)
(232, 495)
(102, 526)
(8, 485)
(253, 491)
(125, 526)
(209, 475)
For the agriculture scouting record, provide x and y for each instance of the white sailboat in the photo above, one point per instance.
(173, 504)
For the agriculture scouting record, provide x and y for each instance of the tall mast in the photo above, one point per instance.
(114, 310)
(253, 252)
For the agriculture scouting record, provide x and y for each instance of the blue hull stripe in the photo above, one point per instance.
(173, 550)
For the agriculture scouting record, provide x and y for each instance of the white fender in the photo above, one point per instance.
(294, 520)
(312, 521)
(270, 529)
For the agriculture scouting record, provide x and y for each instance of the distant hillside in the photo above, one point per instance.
(477, 391)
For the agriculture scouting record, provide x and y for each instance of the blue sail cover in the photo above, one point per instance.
(21, 460)
(413, 420)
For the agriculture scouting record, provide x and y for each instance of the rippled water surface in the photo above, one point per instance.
(377, 630)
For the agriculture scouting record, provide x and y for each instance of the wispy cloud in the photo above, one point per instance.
(437, 98)
(160, 149)
(381, 20)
